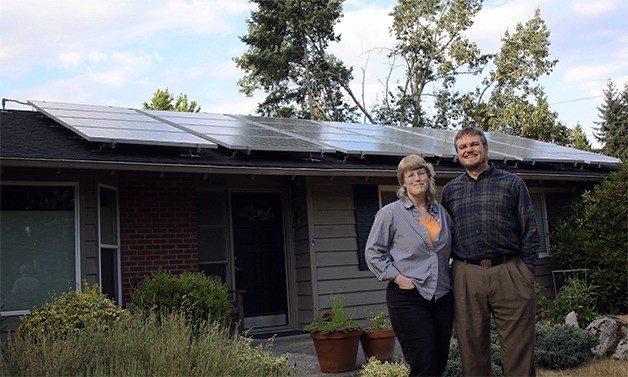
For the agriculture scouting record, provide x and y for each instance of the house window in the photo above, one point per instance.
(540, 211)
(109, 243)
(213, 230)
(38, 243)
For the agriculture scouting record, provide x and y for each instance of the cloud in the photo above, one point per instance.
(36, 32)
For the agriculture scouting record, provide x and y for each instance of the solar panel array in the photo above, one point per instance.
(118, 125)
(249, 133)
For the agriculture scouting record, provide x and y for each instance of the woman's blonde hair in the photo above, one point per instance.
(414, 162)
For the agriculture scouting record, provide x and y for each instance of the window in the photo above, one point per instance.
(109, 243)
(38, 243)
(538, 202)
(212, 234)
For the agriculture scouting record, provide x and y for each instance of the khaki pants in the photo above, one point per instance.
(507, 292)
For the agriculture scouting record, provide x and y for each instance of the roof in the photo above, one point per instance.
(32, 138)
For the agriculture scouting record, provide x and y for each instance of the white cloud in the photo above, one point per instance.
(36, 31)
(593, 7)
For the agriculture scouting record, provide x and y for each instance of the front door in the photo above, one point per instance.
(260, 267)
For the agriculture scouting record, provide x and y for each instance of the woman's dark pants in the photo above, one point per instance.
(423, 328)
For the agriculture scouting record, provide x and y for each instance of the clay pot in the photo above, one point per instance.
(336, 351)
(378, 343)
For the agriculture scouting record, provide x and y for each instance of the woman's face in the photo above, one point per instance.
(416, 183)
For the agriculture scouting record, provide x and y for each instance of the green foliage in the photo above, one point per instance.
(335, 320)
(163, 100)
(145, 347)
(562, 347)
(432, 49)
(72, 311)
(379, 321)
(593, 235)
(613, 126)
(287, 58)
(577, 296)
(199, 297)
(376, 368)
(454, 363)
(579, 140)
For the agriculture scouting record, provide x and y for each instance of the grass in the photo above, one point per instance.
(594, 368)
(145, 347)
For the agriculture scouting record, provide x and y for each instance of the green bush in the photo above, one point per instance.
(454, 363)
(144, 347)
(199, 297)
(593, 235)
(562, 347)
(72, 311)
(575, 296)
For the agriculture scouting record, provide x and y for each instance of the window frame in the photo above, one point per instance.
(115, 247)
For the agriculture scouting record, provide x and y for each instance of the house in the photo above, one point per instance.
(279, 209)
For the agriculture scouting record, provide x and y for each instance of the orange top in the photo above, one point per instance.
(432, 226)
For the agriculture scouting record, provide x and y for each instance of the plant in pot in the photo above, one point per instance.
(378, 340)
(336, 338)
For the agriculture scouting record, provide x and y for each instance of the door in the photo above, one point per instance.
(259, 258)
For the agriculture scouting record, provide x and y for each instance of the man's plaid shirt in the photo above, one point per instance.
(493, 216)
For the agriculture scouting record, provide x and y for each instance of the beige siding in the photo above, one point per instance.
(334, 245)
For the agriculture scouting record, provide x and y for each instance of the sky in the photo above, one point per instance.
(119, 52)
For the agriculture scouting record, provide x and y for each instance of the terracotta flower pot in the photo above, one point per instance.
(336, 351)
(378, 343)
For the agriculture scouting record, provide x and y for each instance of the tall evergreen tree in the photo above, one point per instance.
(579, 140)
(613, 126)
(288, 59)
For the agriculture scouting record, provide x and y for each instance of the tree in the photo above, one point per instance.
(163, 100)
(593, 235)
(579, 139)
(431, 45)
(613, 128)
(287, 59)
(517, 104)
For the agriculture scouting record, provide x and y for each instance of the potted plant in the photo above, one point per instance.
(378, 340)
(336, 338)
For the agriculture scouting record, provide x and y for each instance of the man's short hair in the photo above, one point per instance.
(470, 131)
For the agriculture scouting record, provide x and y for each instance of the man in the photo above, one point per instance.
(495, 250)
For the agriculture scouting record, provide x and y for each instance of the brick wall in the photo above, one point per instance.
(158, 225)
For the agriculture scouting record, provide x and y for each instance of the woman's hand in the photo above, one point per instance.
(404, 282)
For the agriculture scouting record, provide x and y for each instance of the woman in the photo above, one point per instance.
(409, 246)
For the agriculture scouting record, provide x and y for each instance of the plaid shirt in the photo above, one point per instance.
(493, 216)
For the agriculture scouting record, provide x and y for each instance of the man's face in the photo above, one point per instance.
(471, 152)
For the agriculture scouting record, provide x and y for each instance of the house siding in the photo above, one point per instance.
(335, 247)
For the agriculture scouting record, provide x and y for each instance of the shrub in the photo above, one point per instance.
(199, 297)
(72, 311)
(376, 368)
(593, 234)
(454, 363)
(562, 347)
(147, 347)
(577, 296)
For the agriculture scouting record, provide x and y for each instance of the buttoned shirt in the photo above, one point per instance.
(493, 216)
(399, 244)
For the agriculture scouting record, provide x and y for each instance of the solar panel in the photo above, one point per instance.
(117, 125)
(342, 139)
(236, 134)
(530, 150)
